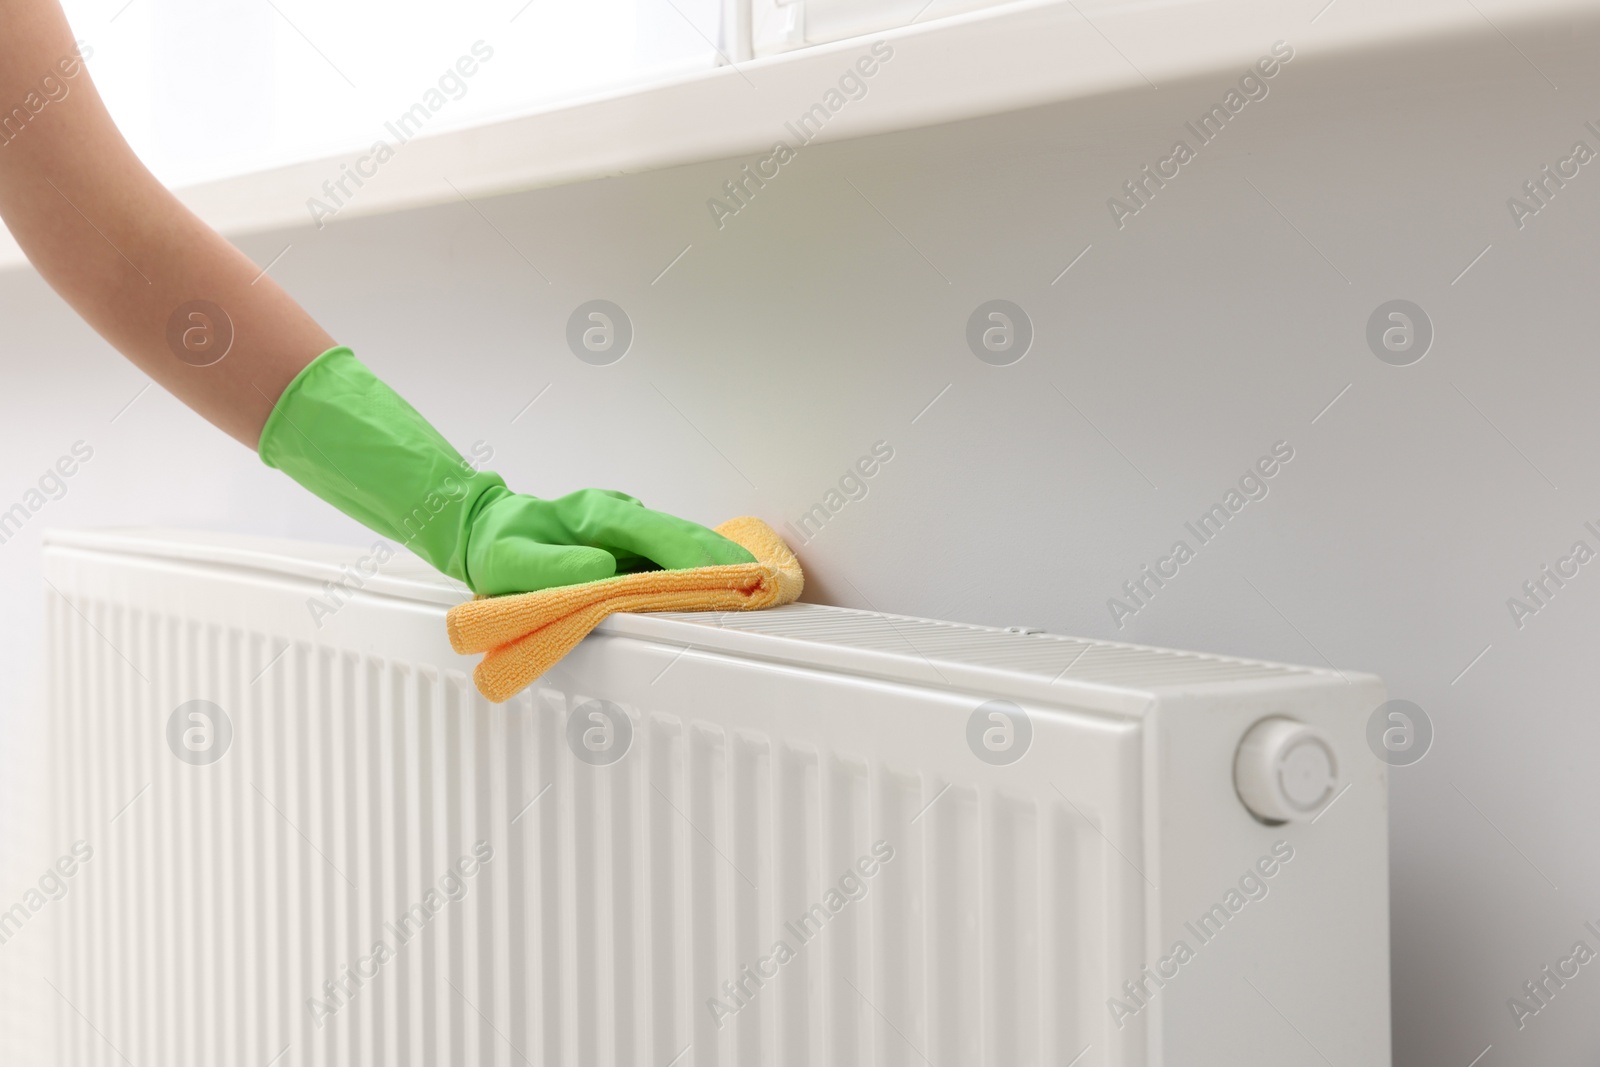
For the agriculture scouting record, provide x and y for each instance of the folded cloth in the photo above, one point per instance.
(525, 634)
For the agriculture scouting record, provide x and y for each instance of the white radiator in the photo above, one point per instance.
(808, 836)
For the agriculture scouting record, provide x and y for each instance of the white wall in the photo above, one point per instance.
(778, 350)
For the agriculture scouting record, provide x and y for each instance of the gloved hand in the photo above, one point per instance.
(350, 439)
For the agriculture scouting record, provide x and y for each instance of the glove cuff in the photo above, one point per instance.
(267, 447)
(342, 433)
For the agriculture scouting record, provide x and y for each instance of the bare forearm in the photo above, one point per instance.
(150, 277)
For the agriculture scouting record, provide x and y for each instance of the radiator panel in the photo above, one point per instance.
(674, 881)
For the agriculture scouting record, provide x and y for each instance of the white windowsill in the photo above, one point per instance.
(987, 62)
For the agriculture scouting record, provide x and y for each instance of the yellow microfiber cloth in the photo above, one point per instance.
(525, 634)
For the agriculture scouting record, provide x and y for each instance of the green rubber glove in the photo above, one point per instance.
(350, 439)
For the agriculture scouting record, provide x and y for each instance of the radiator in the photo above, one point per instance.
(296, 835)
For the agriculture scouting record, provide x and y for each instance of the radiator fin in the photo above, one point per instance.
(302, 899)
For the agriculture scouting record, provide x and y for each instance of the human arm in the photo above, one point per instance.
(120, 248)
(135, 263)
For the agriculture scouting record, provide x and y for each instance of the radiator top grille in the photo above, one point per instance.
(1047, 655)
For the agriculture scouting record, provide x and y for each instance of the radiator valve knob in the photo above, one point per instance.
(1285, 771)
